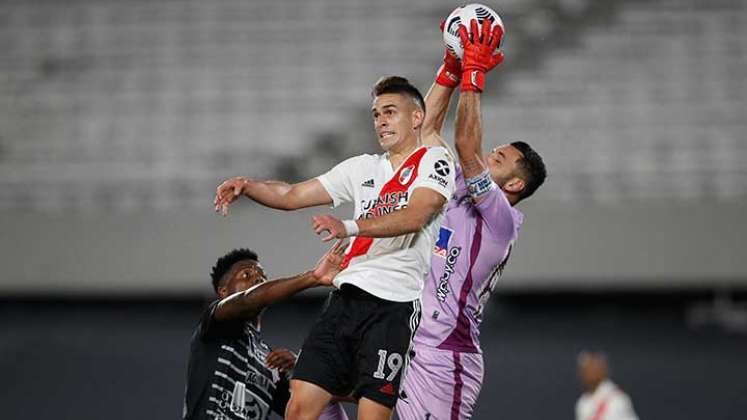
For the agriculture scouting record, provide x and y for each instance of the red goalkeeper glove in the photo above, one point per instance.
(451, 70)
(478, 54)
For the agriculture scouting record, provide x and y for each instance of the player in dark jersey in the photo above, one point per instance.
(232, 372)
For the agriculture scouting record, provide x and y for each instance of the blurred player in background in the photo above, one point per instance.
(474, 242)
(602, 399)
(232, 372)
(361, 342)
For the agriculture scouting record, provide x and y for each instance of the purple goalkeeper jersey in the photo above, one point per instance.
(473, 244)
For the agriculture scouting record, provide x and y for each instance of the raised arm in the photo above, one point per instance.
(274, 194)
(249, 303)
(468, 134)
(438, 97)
(478, 60)
(437, 106)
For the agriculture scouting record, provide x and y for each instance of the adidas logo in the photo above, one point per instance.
(369, 183)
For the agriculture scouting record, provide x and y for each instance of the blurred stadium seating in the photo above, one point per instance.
(116, 105)
(118, 118)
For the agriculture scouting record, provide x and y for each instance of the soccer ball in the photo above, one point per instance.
(463, 15)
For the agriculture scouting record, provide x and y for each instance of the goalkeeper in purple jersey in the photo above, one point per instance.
(444, 378)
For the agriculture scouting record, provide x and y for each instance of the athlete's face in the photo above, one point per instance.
(395, 117)
(243, 275)
(592, 370)
(503, 163)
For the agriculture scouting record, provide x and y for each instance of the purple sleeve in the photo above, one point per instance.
(496, 212)
(460, 188)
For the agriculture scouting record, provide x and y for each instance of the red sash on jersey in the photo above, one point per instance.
(601, 408)
(361, 244)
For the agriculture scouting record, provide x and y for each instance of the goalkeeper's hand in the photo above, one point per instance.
(478, 58)
(450, 71)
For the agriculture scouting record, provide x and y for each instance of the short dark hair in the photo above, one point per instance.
(398, 84)
(224, 263)
(531, 168)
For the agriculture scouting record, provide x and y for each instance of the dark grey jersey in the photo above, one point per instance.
(227, 376)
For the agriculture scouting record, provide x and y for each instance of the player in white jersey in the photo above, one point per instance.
(360, 344)
(602, 399)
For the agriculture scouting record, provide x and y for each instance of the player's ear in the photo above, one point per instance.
(514, 185)
(417, 118)
(222, 291)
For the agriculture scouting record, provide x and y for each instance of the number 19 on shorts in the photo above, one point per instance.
(394, 362)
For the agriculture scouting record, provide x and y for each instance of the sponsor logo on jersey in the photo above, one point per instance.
(384, 204)
(369, 183)
(443, 283)
(441, 181)
(442, 243)
(442, 167)
(406, 174)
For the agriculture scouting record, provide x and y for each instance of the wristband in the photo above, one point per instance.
(447, 78)
(480, 185)
(473, 81)
(351, 227)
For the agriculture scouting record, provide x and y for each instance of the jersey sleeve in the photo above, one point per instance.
(211, 328)
(460, 188)
(340, 180)
(493, 205)
(436, 171)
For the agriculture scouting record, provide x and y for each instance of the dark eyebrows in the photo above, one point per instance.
(387, 106)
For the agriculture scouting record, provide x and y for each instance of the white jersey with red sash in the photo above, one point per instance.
(606, 402)
(389, 268)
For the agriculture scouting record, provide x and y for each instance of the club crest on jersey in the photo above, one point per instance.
(406, 174)
(442, 243)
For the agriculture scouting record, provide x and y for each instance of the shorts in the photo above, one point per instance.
(360, 345)
(441, 385)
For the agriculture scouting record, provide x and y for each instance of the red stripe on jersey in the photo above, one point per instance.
(362, 244)
(601, 409)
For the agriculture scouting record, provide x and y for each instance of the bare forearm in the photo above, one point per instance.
(282, 196)
(273, 194)
(397, 223)
(468, 133)
(247, 304)
(437, 107)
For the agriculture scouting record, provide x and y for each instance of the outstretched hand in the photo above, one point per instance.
(329, 265)
(479, 53)
(450, 71)
(228, 192)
